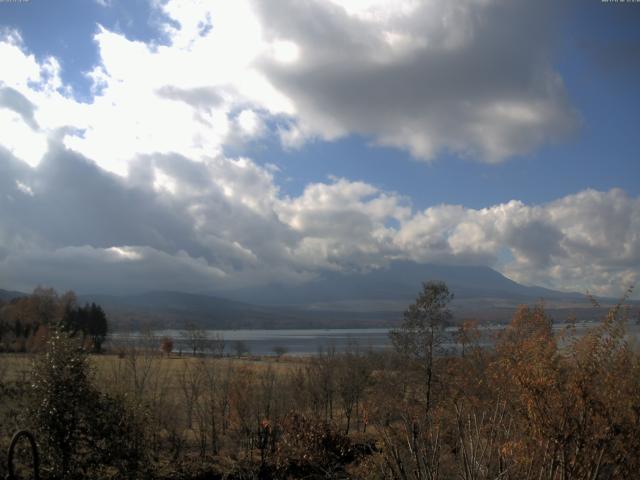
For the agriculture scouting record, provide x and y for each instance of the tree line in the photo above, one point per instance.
(26, 322)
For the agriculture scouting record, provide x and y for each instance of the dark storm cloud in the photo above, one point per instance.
(77, 203)
(91, 270)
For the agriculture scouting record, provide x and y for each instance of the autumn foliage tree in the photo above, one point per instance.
(26, 322)
(574, 405)
(545, 403)
(166, 345)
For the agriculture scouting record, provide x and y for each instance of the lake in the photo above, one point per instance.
(263, 342)
(306, 341)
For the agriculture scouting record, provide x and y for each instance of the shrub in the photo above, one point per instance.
(308, 448)
(80, 430)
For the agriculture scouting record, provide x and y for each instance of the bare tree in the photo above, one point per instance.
(190, 379)
(421, 333)
(353, 375)
(468, 336)
(241, 348)
(412, 451)
(217, 345)
(197, 338)
(322, 381)
(213, 405)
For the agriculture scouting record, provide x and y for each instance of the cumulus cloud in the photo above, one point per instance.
(589, 240)
(133, 190)
(225, 224)
(227, 213)
(472, 77)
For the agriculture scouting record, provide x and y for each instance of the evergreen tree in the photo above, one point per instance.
(81, 430)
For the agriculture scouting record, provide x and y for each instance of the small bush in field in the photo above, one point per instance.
(309, 448)
(166, 345)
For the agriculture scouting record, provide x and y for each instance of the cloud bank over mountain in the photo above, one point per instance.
(135, 190)
(224, 224)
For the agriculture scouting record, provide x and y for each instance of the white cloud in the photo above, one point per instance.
(20, 139)
(422, 76)
(25, 86)
(250, 124)
(589, 240)
(226, 222)
(285, 51)
(469, 77)
(24, 68)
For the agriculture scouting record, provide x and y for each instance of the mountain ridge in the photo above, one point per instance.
(333, 299)
(402, 279)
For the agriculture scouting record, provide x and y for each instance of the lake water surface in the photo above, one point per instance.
(264, 342)
(308, 341)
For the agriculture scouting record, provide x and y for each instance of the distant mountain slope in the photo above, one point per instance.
(9, 295)
(177, 309)
(166, 309)
(400, 281)
(170, 301)
(376, 298)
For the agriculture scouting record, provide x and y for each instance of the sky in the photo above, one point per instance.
(206, 146)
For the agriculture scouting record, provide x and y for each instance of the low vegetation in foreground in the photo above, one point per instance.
(535, 405)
